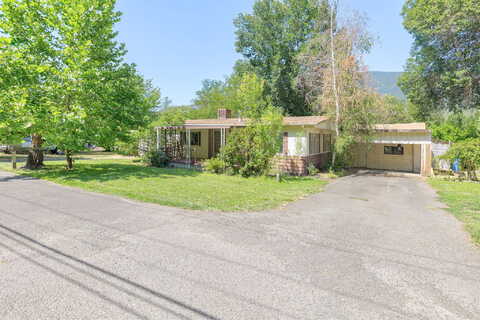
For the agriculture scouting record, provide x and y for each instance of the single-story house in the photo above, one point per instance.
(305, 141)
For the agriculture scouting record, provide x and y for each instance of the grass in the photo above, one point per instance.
(176, 187)
(463, 200)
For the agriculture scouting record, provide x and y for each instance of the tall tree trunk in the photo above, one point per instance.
(14, 159)
(68, 154)
(35, 156)
(333, 7)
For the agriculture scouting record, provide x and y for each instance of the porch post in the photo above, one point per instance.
(158, 139)
(222, 135)
(189, 148)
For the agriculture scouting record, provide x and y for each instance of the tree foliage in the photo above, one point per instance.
(271, 37)
(390, 109)
(444, 69)
(468, 153)
(333, 78)
(249, 151)
(74, 86)
(239, 93)
(455, 127)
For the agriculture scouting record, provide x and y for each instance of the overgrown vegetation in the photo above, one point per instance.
(154, 158)
(468, 153)
(455, 127)
(214, 165)
(249, 151)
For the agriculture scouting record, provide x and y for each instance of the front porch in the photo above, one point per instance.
(188, 146)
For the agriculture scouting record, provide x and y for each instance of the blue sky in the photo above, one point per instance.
(179, 43)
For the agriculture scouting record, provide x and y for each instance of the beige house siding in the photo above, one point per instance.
(201, 152)
(377, 159)
(373, 157)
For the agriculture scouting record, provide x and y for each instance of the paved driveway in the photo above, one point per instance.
(369, 247)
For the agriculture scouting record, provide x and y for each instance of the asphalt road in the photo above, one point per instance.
(369, 247)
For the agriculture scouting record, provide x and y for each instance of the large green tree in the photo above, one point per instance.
(271, 37)
(444, 69)
(76, 87)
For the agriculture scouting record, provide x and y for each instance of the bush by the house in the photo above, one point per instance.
(156, 158)
(129, 148)
(468, 153)
(312, 170)
(214, 165)
(249, 152)
(136, 143)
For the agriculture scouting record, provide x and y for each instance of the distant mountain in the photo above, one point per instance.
(386, 83)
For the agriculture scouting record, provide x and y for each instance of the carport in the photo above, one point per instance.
(402, 147)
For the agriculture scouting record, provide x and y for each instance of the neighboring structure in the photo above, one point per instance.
(305, 141)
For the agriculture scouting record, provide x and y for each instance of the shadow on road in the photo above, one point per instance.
(58, 255)
(16, 178)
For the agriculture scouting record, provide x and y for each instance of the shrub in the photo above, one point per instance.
(249, 151)
(468, 153)
(312, 170)
(214, 165)
(129, 148)
(136, 143)
(156, 158)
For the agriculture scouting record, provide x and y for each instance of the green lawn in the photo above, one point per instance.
(463, 199)
(176, 187)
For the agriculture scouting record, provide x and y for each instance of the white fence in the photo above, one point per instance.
(439, 149)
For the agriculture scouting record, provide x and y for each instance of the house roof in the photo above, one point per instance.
(402, 127)
(237, 122)
(296, 121)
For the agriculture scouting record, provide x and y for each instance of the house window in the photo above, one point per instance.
(327, 143)
(314, 143)
(195, 138)
(393, 150)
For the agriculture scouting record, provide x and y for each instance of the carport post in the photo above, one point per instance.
(189, 148)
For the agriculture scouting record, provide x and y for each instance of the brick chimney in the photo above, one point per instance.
(224, 114)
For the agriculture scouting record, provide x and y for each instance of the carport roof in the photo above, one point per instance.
(402, 127)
